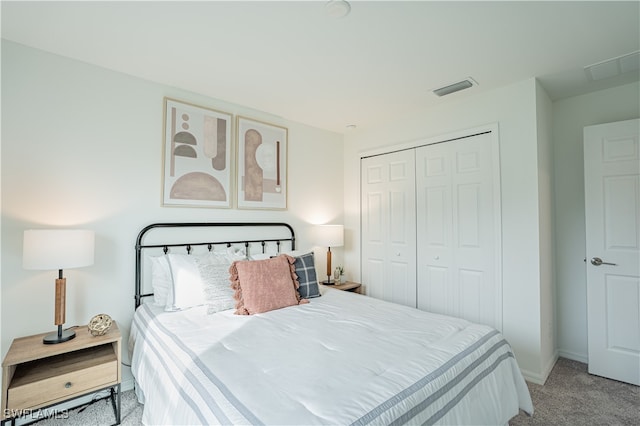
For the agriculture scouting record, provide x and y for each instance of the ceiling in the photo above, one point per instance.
(291, 59)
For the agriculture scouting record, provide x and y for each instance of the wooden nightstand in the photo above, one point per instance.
(36, 376)
(348, 286)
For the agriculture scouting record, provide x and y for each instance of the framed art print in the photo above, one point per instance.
(262, 165)
(197, 156)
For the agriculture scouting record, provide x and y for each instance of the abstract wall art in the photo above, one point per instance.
(262, 165)
(197, 156)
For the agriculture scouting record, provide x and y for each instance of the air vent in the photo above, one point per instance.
(455, 87)
(613, 67)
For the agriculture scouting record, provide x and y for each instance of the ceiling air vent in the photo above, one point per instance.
(455, 87)
(613, 67)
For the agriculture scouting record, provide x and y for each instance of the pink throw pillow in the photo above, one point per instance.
(264, 285)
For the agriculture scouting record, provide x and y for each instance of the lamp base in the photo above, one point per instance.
(328, 282)
(59, 337)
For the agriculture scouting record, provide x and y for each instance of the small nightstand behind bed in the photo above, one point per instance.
(347, 286)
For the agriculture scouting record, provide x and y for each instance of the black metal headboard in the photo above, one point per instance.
(205, 242)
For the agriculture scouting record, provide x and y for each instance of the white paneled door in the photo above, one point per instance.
(388, 227)
(458, 227)
(612, 204)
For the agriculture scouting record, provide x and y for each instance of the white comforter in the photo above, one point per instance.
(341, 359)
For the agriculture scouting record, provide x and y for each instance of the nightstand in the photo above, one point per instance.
(348, 286)
(36, 376)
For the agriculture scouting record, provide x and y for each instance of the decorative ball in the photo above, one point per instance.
(99, 324)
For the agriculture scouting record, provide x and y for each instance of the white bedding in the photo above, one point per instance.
(341, 359)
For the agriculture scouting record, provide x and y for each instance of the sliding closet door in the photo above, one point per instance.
(458, 227)
(388, 227)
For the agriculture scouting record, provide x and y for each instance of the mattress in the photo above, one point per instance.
(342, 359)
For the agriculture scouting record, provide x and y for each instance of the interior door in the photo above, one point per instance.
(458, 227)
(388, 227)
(612, 205)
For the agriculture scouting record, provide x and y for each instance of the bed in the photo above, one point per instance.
(332, 358)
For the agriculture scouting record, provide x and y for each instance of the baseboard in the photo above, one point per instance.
(574, 356)
(127, 385)
(552, 361)
(541, 378)
(127, 378)
(533, 377)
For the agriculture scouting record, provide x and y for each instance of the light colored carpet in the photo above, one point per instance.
(570, 397)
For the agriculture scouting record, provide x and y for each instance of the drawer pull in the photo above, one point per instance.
(67, 385)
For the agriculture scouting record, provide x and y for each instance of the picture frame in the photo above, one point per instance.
(197, 156)
(261, 165)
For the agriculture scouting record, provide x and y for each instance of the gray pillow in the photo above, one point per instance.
(306, 272)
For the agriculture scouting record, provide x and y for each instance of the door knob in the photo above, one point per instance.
(596, 261)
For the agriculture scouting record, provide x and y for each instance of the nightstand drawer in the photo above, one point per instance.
(38, 383)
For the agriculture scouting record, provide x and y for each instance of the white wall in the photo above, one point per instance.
(570, 116)
(545, 213)
(82, 147)
(514, 109)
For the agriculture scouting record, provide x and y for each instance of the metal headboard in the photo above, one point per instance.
(209, 244)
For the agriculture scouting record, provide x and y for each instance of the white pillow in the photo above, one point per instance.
(201, 279)
(234, 254)
(214, 270)
(188, 287)
(160, 279)
(263, 256)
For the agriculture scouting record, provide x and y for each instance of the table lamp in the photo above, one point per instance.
(46, 249)
(330, 236)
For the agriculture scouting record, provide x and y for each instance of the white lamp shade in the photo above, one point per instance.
(330, 235)
(46, 249)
